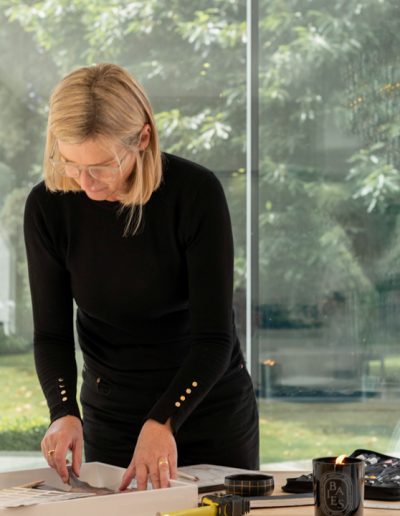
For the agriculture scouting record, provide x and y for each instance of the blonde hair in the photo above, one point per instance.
(104, 101)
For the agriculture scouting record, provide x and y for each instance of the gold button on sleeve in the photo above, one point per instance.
(61, 379)
(63, 392)
(177, 404)
(194, 384)
(182, 398)
(65, 398)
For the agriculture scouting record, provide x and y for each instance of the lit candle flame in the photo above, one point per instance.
(340, 459)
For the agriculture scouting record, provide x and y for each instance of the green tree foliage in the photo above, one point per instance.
(330, 178)
(190, 58)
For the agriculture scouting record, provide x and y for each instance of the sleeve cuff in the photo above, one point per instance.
(177, 408)
(61, 410)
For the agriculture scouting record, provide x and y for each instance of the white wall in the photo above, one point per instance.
(7, 287)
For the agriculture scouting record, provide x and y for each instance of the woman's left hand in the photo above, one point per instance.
(155, 457)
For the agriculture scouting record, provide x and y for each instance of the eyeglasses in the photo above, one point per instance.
(74, 170)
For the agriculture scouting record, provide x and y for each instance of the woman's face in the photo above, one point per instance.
(95, 152)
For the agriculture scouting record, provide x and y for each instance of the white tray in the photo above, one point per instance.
(144, 503)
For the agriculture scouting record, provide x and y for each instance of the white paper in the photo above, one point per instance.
(20, 496)
(392, 506)
(210, 475)
(288, 500)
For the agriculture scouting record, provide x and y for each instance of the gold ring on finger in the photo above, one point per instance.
(162, 461)
(51, 452)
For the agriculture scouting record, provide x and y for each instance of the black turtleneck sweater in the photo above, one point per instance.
(161, 299)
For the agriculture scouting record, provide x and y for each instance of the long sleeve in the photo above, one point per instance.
(52, 312)
(209, 257)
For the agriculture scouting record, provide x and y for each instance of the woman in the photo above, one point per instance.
(141, 241)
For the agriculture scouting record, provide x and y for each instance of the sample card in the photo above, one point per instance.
(20, 496)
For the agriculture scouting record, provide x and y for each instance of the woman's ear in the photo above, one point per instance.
(145, 137)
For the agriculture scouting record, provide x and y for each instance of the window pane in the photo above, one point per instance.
(329, 231)
(190, 59)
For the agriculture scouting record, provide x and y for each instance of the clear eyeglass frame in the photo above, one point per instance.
(74, 170)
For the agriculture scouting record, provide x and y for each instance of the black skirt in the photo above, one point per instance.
(223, 429)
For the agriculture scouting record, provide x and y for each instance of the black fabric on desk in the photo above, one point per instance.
(376, 465)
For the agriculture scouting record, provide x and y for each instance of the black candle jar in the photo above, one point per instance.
(338, 488)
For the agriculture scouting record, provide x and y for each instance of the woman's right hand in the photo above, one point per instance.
(62, 435)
